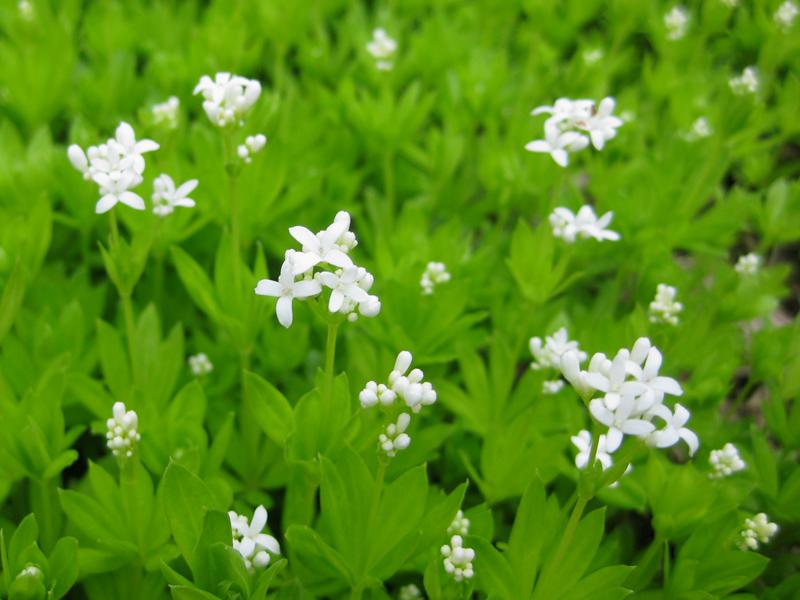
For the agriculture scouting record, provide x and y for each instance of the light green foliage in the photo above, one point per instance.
(429, 159)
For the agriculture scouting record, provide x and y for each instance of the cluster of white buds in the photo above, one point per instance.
(252, 145)
(568, 226)
(227, 98)
(349, 284)
(166, 196)
(200, 364)
(786, 14)
(570, 121)
(677, 22)
(254, 546)
(748, 264)
(746, 83)
(755, 530)
(410, 388)
(632, 396)
(395, 438)
(664, 308)
(552, 386)
(409, 592)
(699, 130)
(434, 274)
(122, 435)
(459, 525)
(548, 354)
(116, 167)
(382, 48)
(166, 113)
(583, 443)
(458, 559)
(725, 461)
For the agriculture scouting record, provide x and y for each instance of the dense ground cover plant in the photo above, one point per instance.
(399, 299)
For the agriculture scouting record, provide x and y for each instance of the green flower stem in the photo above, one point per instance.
(232, 170)
(124, 295)
(330, 355)
(377, 492)
(388, 185)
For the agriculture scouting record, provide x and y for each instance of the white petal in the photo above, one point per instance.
(691, 439)
(106, 203)
(537, 146)
(77, 158)
(305, 237)
(600, 412)
(304, 289)
(270, 543)
(613, 439)
(146, 146)
(338, 258)
(267, 287)
(125, 135)
(303, 261)
(637, 427)
(131, 199)
(336, 301)
(186, 188)
(560, 156)
(259, 519)
(284, 310)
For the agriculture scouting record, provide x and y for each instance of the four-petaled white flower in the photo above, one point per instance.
(344, 286)
(166, 197)
(725, 461)
(166, 113)
(568, 226)
(620, 421)
(677, 22)
(558, 143)
(748, 264)
(458, 559)
(548, 354)
(664, 308)
(254, 546)
(286, 289)
(123, 434)
(395, 438)
(602, 125)
(382, 48)
(583, 442)
(674, 429)
(200, 364)
(227, 98)
(325, 246)
(755, 530)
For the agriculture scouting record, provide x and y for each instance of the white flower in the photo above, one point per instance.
(593, 55)
(458, 559)
(254, 546)
(700, 129)
(227, 98)
(746, 83)
(558, 143)
(122, 435)
(619, 421)
(548, 355)
(344, 286)
(677, 22)
(664, 308)
(200, 364)
(396, 437)
(674, 429)
(382, 48)
(434, 274)
(602, 125)
(409, 592)
(552, 387)
(166, 113)
(643, 365)
(116, 167)
(329, 246)
(252, 145)
(409, 386)
(287, 289)
(786, 14)
(755, 530)
(725, 461)
(566, 110)
(459, 525)
(569, 226)
(583, 442)
(748, 264)
(166, 197)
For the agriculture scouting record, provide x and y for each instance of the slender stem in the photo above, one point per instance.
(330, 355)
(666, 564)
(388, 184)
(130, 328)
(572, 525)
(114, 229)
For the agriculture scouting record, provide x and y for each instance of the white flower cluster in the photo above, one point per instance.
(568, 226)
(254, 547)
(786, 14)
(166, 113)
(633, 396)
(569, 121)
(677, 22)
(227, 98)
(434, 274)
(458, 559)
(725, 461)
(552, 386)
(748, 264)
(122, 435)
(253, 144)
(200, 364)
(349, 284)
(664, 308)
(410, 388)
(460, 524)
(548, 354)
(409, 592)
(699, 130)
(166, 196)
(746, 83)
(382, 48)
(755, 530)
(593, 55)
(395, 438)
(116, 167)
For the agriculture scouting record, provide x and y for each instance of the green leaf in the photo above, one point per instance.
(113, 360)
(493, 574)
(531, 530)
(182, 592)
(197, 283)
(270, 408)
(27, 533)
(316, 554)
(11, 300)
(63, 567)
